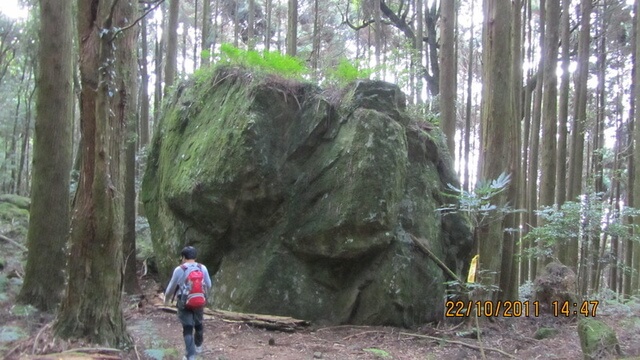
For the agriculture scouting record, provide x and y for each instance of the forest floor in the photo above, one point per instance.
(25, 333)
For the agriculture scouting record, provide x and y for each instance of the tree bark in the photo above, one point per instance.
(292, 28)
(172, 46)
(576, 155)
(205, 54)
(49, 225)
(144, 88)
(448, 73)
(550, 109)
(125, 102)
(634, 246)
(563, 114)
(498, 123)
(91, 308)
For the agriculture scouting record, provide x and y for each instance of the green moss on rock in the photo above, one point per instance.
(597, 339)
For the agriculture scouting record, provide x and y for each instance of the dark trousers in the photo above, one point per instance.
(191, 320)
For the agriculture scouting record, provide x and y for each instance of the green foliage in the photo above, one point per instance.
(268, 61)
(481, 209)
(23, 310)
(347, 71)
(589, 218)
(378, 352)
(479, 202)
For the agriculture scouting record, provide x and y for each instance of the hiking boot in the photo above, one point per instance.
(198, 349)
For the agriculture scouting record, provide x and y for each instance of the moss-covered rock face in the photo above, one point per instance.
(301, 201)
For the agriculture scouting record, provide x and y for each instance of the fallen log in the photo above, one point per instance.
(268, 322)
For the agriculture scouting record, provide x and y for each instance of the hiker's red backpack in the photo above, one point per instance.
(194, 288)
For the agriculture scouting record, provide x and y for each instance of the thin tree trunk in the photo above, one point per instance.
(576, 155)
(144, 88)
(159, 52)
(448, 73)
(195, 40)
(125, 101)
(534, 152)
(563, 115)
(292, 28)
(205, 54)
(631, 156)
(172, 46)
(251, 42)
(467, 124)
(267, 30)
(634, 246)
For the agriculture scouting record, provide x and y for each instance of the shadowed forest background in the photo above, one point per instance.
(535, 99)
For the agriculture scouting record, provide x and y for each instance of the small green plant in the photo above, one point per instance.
(478, 204)
(347, 71)
(378, 352)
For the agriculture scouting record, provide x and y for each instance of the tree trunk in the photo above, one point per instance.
(267, 32)
(24, 155)
(315, 52)
(576, 156)
(92, 306)
(251, 41)
(125, 102)
(631, 156)
(144, 88)
(563, 115)
(205, 54)
(172, 46)
(292, 28)
(634, 246)
(448, 73)
(534, 142)
(159, 52)
(49, 225)
(498, 122)
(467, 124)
(550, 109)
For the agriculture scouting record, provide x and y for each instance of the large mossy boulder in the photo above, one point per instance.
(597, 339)
(302, 201)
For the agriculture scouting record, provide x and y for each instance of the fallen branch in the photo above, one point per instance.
(268, 322)
(471, 346)
(22, 247)
(433, 257)
(91, 350)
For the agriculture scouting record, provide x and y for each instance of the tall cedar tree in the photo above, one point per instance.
(548, 142)
(497, 151)
(633, 284)
(448, 72)
(576, 155)
(49, 226)
(91, 308)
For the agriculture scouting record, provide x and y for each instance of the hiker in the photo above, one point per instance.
(190, 283)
